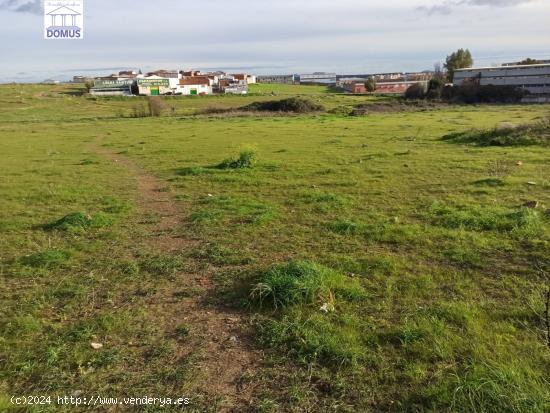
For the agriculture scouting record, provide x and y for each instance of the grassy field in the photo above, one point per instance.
(363, 264)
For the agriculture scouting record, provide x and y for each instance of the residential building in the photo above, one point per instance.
(354, 86)
(534, 79)
(195, 85)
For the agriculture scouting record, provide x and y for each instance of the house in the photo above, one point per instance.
(354, 87)
(190, 73)
(195, 85)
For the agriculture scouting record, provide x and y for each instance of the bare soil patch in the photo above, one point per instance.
(219, 341)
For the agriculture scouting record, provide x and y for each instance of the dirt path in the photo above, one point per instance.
(223, 356)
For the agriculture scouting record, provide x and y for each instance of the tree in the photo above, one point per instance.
(370, 84)
(529, 61)
(88, 85)
(458, 60)
(439, 74)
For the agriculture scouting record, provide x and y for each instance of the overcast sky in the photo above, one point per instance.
(264, 36)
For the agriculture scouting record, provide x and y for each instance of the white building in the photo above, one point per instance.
(195, 85)
(535, 79)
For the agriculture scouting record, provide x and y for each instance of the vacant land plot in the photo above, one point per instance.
(307, 263)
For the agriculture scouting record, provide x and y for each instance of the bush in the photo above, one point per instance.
(156, 105)
(295, 105)
(246, 159)
(510, 135)
(435, 88)
(470, 92)
(303, 282)
(416, 91)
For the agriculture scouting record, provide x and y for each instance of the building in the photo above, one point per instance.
(534, 79)
(112, 87)
(195, 85)
(544, 61)
(154, 86)
(399, 87)
(82, 79)
(285, 79)
(236, 89)
(320, 78)
(354, 86)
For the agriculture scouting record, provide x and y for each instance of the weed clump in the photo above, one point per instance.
(292, 105)
(303, 282)
(47, 258)
(345, 227)
(506, 135)
(164, 265)
(79, 222)
(524, 221)
(246, 160)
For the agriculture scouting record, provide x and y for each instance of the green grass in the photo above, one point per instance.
(390, 270)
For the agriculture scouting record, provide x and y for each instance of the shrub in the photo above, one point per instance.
(416, 91)
(246, 159)
(521, 135)
(471, 92)
(294, 104)
(435, 88)
(156, 105)
(303, 282)
(76, 220)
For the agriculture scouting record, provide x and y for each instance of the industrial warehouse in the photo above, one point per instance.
(533, 79)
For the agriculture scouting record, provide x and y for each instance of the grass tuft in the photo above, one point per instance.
(246, 160)
(303, 282)
(47, 258)
(79, 222)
